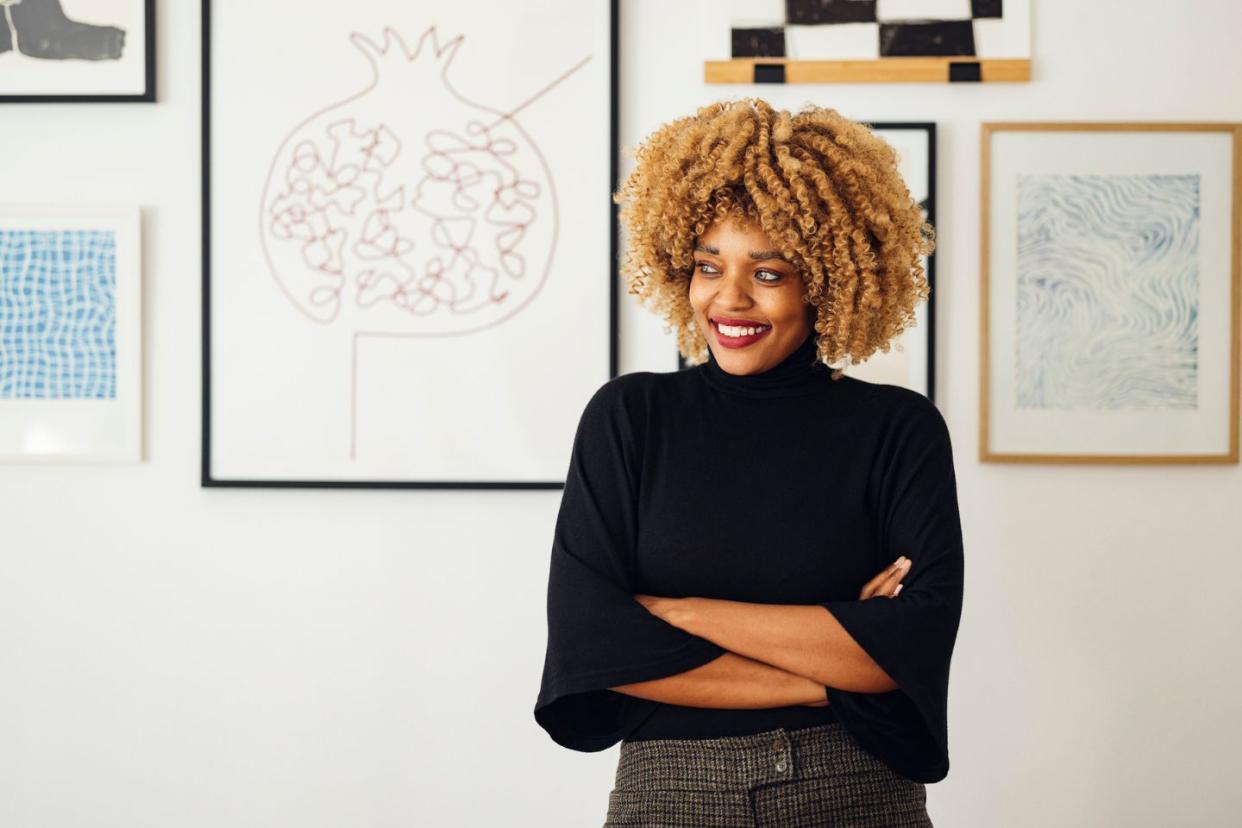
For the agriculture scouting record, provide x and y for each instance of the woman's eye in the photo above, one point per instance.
(772, 275)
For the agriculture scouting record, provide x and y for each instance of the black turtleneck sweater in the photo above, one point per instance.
(780, 487)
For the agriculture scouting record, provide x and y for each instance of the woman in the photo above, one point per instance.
(756, 574)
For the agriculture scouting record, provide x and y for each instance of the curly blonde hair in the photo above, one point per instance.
(824, 189)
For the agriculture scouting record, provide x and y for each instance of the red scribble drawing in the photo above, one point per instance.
(407, 209)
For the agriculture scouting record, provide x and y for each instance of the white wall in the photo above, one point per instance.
(177, 656)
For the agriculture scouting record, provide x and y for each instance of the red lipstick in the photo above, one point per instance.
(737, 341)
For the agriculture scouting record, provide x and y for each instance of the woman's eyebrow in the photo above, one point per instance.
(757, 255)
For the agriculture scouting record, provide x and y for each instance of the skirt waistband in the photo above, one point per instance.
(730, 761)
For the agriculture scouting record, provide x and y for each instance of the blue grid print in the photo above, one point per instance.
(57, 313)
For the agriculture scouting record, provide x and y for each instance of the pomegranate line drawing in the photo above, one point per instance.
(408, 209)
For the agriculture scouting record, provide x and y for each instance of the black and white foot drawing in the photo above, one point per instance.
(40, 29)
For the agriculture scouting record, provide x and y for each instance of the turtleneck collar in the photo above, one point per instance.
(798, 373)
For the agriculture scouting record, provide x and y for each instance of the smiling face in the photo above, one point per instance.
(747, 299)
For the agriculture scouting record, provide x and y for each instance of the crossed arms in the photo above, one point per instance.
(779, 654)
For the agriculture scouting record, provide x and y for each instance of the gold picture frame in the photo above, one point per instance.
(1044, 186)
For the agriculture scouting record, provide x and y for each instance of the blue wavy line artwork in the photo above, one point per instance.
(57, 314)
(1107, 292)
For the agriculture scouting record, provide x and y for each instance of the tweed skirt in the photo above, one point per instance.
(804, 778)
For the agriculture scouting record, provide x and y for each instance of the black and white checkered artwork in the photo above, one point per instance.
(872, 29)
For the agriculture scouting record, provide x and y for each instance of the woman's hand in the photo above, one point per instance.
(888, 583)
(665, 608)
(683, 613)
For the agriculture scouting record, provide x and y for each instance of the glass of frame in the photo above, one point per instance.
(77, 51)
(1109, 292)
(409, 244)
(70, 334)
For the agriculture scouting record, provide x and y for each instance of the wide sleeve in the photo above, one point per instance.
(911, 637)
(599, 636)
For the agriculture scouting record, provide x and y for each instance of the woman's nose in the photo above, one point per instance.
(733, 289)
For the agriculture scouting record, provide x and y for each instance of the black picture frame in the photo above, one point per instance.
(146, 96)
(210, 480)
(929, 208)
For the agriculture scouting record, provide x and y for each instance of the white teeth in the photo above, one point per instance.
(730, 330)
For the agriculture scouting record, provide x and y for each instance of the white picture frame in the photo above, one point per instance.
(70, 334)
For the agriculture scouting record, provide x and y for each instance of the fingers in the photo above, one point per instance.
(893, 579)
(885, 577)
(888, 581)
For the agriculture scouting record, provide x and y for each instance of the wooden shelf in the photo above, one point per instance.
(883, 70)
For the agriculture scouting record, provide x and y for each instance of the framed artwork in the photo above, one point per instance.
(910, 362)
(1109, 292)
(409, 240)
(77, 51)
(70, 334)
(865, 41)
